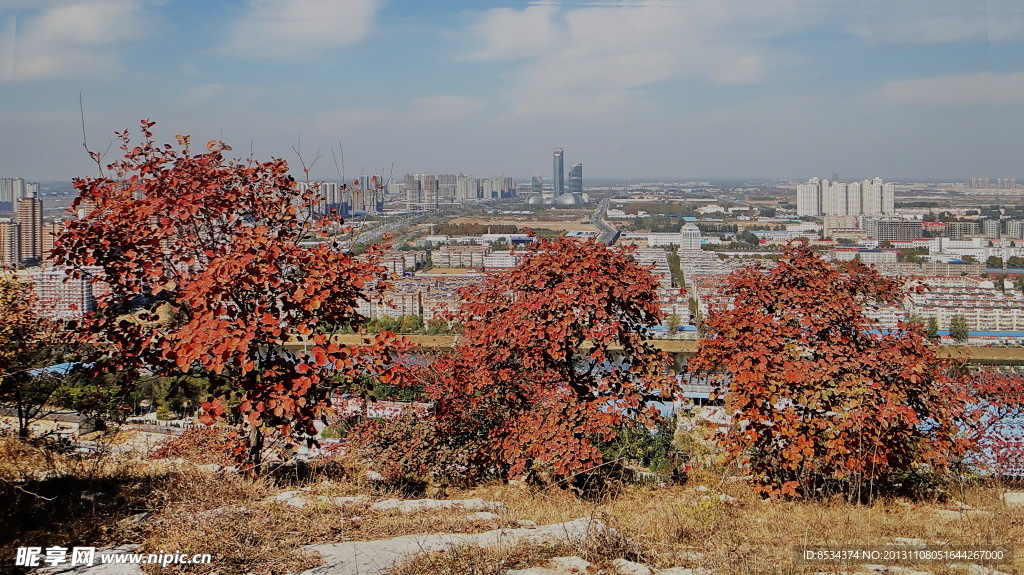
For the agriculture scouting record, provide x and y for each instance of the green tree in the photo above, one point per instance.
(994, 262)
(412, 324)
(748, 237)
(676, 269)
(673, 322)
(27, 342)
(932, 329)
(958, 328)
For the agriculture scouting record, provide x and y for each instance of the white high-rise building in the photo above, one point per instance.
(820, 197)
(466, 188)
(808, 198)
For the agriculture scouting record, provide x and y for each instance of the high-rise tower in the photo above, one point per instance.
(576, 179)
(559, 172)
(29, 214)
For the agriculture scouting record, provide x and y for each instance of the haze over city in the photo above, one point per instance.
(661, 89)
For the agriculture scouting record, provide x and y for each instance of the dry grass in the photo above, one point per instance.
(232, 518)
(682, 526)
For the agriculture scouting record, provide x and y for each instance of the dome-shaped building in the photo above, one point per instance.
(573, 199)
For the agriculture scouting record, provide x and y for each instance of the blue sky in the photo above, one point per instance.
(636, 89)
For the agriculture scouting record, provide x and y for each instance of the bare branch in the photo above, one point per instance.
(94, 156)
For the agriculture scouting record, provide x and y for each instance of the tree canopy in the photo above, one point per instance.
(820, 398)
(553, 358)
(214, 267)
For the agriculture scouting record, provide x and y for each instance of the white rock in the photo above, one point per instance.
(958, 515)
(483, 516)
(415, 505)
(909, 542)
(1014, 498)
(293, 498)
(624, 567)
(533, 571)
(684, 571)
(570, 564)
(342, 501)
(377, 557)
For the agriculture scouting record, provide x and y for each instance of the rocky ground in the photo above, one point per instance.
(419, 552)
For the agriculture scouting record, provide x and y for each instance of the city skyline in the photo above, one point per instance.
(654, 89)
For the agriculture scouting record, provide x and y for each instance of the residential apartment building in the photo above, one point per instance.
(59, 295)
(984, 308)
(10, 243)
(29, 214)
(820, 197)
(958, 230)
(655, 259)
(889, 229)
(449, 256)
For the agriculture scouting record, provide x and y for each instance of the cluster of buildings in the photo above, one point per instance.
(21, 237)
(427, 192)
(820, 197)
(366, 195)
(987, 184)
(558, 194)
(415, 192)
(896, 228)
(688, 238)
(433, 294)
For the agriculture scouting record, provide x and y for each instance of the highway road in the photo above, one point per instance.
(608, 234)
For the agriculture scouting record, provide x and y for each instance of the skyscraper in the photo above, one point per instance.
(559, 176)
(29, 214)
(576, 179)
(11, 190)
(10, 243)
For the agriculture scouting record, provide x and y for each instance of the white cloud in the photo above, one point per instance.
(504, 33)
(966, 89)
(68, 39)
(594, 58)
(299, 28)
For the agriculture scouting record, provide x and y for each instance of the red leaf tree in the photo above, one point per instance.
(214, 267)
(999, 433)
(822, 399)
(554, 357)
